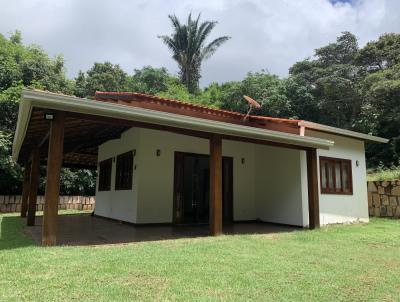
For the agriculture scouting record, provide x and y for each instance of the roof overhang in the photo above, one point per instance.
(342, 132)
(53, 101)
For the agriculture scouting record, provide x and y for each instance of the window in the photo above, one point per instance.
(335, 176)
(105, 175)
(123, 177)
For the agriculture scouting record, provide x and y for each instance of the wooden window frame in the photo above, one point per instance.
(105, 177)
(121, 182)
(334, 161)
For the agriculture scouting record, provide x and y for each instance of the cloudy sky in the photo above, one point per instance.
(266, 34)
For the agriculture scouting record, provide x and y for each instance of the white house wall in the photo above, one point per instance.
(271, 184)
(344, 208)
(279, 197)
(121, 205)
(151, 197)
(157, 174)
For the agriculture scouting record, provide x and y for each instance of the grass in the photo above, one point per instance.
(382, 174)
(341, 263)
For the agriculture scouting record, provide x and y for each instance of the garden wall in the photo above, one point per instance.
(384, 198)
(12, 203)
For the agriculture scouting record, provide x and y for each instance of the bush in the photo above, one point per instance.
(382, 173)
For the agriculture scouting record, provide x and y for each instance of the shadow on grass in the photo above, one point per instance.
(11, 233)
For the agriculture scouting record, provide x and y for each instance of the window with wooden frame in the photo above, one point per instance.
(124, 171)
(335, 176)
(105, 167)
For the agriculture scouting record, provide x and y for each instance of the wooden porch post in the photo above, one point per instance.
(34, 185)
(25, 189)
(54, 162)
(313, 198)
(215, 184)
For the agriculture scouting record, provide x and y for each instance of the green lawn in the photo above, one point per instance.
(336, 263)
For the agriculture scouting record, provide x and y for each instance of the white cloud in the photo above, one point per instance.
(268, 35)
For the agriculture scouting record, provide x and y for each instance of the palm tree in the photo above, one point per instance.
(187, 44)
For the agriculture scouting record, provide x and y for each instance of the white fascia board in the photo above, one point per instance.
(47, 100)
(24, 114)
(339, 131)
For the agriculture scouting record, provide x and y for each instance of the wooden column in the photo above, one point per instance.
(215, 184)
(25, 189)
(313, 198)
(33, 187)
(54, 162)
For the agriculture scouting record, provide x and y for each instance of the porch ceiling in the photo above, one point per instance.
(82, 138)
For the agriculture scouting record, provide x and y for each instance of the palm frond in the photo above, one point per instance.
(204, 30)
(169, 42)
(175, 21)
(187, 46)
(210, 49)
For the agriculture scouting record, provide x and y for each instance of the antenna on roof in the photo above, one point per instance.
(252, 104)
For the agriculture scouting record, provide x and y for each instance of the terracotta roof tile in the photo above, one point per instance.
(170, 105)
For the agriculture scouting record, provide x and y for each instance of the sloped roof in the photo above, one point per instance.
(292, 126)
(195, 110)
(89, 123)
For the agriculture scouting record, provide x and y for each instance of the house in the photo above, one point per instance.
(166, 161)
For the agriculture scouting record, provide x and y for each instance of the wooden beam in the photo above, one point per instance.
(25, 189)
(34, 185)
(215, 184)
(313, 197)
(54, 162)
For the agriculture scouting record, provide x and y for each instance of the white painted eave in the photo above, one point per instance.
(343, 132)
(47, 100)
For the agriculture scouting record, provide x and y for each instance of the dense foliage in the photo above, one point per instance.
(342, 85)
(21, 66)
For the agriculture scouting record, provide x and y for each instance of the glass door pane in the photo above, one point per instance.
(338, 177)
(323, 175)
(345, 175)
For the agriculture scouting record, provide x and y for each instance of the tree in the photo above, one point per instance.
(150, 80)
(380, 89)
(189, 49)
(344, 51)
(381, 114)
(22, 66)
(101, 77)
(381, 54)
(325, 89)
(353, 88)
(10, 173)
(267, 89)
(80, 89)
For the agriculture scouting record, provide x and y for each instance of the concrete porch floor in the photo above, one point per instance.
(84, 229)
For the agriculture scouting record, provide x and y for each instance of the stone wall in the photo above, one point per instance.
(384, 198)
(12, 203)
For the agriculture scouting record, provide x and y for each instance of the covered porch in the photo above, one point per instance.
(56, 130)
(85, 229)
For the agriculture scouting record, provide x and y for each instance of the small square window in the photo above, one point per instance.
(335, 176)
